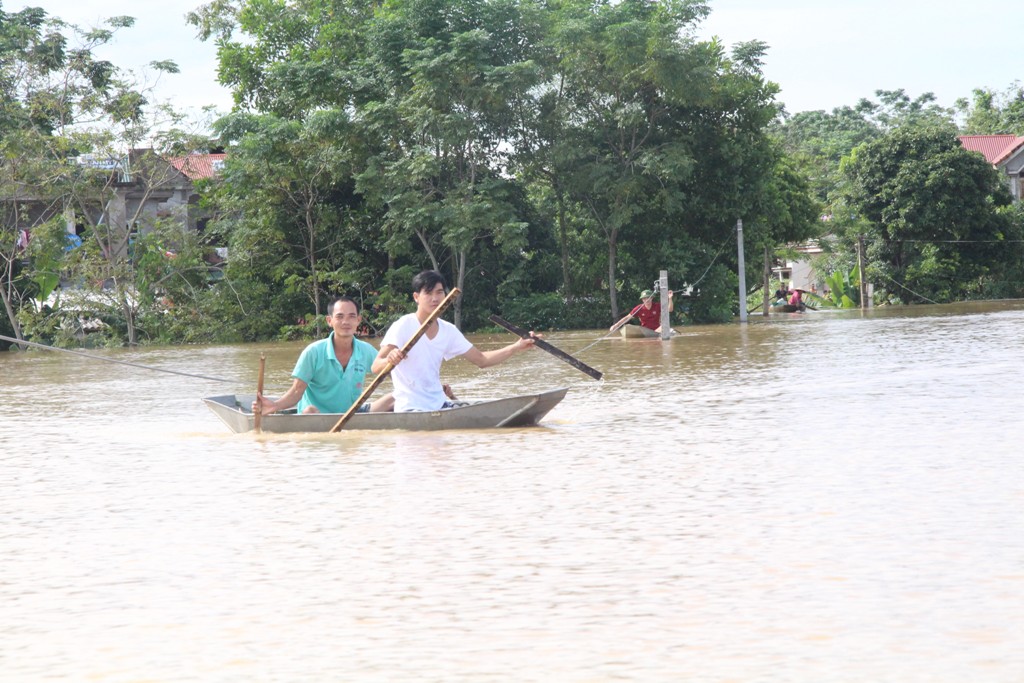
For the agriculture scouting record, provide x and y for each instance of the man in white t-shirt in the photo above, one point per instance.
(417, 376)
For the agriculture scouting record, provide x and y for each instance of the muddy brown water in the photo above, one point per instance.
(816, 497)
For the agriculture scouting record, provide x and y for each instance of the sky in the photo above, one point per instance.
(831, 53)
(160, 32)
(822, 53)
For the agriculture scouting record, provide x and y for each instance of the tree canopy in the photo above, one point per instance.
(933, 211)
(489, 130)
(548, 157)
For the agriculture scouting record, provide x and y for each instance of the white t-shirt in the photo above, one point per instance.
(417, 379)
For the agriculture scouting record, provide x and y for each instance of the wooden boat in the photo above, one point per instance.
(787, 308)
(640, 332)
(517, 411)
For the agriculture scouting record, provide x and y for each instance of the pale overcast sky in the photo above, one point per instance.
(830, 53)
(160, 32)
(822, 53)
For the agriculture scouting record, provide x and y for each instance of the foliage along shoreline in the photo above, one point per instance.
(549, 159)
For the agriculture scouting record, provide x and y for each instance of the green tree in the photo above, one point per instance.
(658, 139)
(441, 126)
(817, 141)
(291, 181)
(931, 211)
(993, 113)
(627, 69)
(432, 88)
(491, 130)
(60, 106)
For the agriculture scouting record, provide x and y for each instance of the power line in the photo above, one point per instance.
(110, 360)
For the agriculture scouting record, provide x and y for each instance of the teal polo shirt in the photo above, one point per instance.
(330, 387)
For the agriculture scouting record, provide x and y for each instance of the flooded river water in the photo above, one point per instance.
(818, 497)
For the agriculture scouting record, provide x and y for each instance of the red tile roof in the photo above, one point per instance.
(197, 166)
(995, 148)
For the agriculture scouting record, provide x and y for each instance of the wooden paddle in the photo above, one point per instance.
(258, 408)
(389, 367)
(554, 351)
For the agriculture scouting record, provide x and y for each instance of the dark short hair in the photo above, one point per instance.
(337, 299)
(428, 279)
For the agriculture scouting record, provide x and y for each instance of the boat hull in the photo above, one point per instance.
(787, 308)
(516, 411)
(640, 332)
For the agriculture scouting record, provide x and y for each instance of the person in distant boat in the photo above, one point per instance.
(330, 373)
(796, 298)
(648, 311)
(417, 376)
(782, 293)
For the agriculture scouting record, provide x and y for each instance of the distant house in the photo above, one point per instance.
(199, 166)
(1005, 152)
(143, 188)
(152, 188)
(797, 272)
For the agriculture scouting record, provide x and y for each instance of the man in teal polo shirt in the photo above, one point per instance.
(330, 373)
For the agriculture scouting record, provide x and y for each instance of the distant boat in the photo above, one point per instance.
(787, 308)
(516, 411)
(640, 332)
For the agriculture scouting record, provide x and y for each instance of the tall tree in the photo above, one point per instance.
(431, 85)
(993, 113)
(292, 181)
(818, 141)
(645, 143)
(931, 210)
(79, 117)
(442, 123)
(620, 74)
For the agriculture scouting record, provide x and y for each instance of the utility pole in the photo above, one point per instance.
(767, 279)
(742, 268)
(666, 331)
(860, 267)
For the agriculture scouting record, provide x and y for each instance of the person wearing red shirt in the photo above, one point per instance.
(648, 312)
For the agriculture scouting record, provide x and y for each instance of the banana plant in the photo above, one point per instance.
(843, 289)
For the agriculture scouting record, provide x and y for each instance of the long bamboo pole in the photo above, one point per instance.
(258, 408)
(372, 386)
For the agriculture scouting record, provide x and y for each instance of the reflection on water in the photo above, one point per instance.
(825, 497)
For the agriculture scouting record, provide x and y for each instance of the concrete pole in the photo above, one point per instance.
(666, 331)
(69, 219)
(742, 270)
(860, 267)
(767, 280)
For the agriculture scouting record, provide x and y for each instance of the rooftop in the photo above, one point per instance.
(995, 148)
(198, 166)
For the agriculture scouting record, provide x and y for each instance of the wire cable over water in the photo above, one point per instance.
(112, 360)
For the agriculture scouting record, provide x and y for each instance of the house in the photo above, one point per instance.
(147, 187)
(199, 166)
(797, 271)
(142, 187)
(1005, 152)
